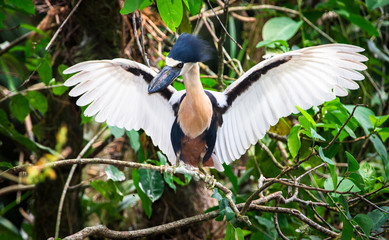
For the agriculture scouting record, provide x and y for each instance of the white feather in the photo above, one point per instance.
(121, 99)
(308, 77)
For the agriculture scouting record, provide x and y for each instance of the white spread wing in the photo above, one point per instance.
(271, 90)
(116, 91)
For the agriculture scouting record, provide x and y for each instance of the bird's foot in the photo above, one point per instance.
(210, 181)
(164, 169)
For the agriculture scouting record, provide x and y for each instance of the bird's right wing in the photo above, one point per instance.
(273, 88)
(116, 92)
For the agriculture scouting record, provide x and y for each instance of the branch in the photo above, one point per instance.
(103, 231)
(262, 7)
(69, 178)
(62, 25)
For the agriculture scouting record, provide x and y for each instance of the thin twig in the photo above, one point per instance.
(69, 178)
(223, 23)
(62, 25)
(262, 7)
(277, 225)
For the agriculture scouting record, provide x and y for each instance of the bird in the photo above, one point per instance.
(197, 127)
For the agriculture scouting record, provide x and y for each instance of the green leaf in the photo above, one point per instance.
(2, 17)
(19, 107)
(347, 231)
(231, 176)
(294, 143)
(362, 114)
(381, 150)
(368, 174)
(230, 232)
(25, 5)
(271, 43)
(316, 136)
(185, 25)
(378, 218)
(145, 4)
(108, 189)
(146, 201)
(360, 22)
(307, 116)
(357, 179)
(239, 234)
(365, 222)
(373, 4)
(130, 6)
(194, 6)
(5, 223)
(331, 167)
(171, 12)
(280, 28)
(216, 195)
(167, 177)
(384, 133)
(324, 158)
(134, 140)
(345, 186)
(116, 132)
(352, 165)
(115, 174)
(45, 72)
(151, 183)
(378, 121)
(37, 101)
(6, 165)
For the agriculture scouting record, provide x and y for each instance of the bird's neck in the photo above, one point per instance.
(195, 113)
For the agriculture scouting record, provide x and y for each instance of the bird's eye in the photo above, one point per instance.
(180, 65)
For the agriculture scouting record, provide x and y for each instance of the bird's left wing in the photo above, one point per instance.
(273, 88)
(116, 92)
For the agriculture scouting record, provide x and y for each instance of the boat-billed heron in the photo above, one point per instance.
(199, 126)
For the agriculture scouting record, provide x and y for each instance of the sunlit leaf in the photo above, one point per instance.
(378, 121)
(368, 174)
(384, 133)
(280, 28)
(193, 6)
(294, 143)
(171, 12)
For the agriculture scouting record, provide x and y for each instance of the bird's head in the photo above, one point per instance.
(187, 50)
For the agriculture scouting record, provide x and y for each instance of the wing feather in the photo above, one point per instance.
(273, 88)
(116, 91)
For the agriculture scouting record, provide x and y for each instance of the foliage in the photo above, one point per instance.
(347, 194)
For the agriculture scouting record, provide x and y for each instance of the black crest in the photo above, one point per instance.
(190, 48)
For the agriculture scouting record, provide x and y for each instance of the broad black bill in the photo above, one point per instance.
(164, 78)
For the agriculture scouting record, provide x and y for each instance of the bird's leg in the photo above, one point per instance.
(208, 179)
